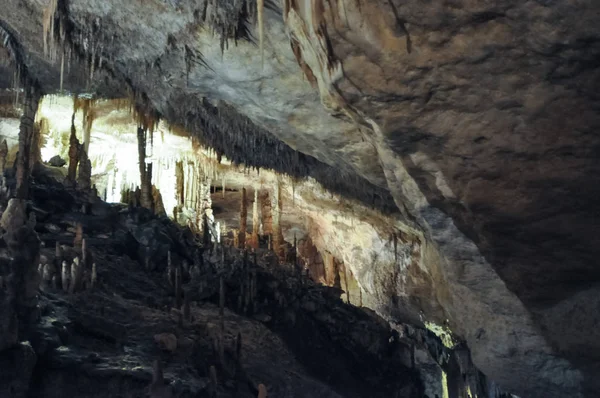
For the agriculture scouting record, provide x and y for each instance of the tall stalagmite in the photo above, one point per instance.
(179, 184)
(277, 239)
(243, 219)
(265, 212)
(74, 148)
(145, 174)
(255, 222)
(84, 175)
(26, 135)
(3, 156)
(40, 129)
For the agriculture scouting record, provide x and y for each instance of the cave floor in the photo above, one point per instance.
(280, 329)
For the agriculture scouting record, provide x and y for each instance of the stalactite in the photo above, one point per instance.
(255, 222)
(62, 70)
(26, 134)
(243, 219)
(260, 8)
(48, 27)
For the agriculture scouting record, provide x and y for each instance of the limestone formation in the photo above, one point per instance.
(26, 137)
(40, 131)
(84, 174)
(186, 307)
(178, 290)
(243, 219)
(262, 391)
(94, 277)
(3, 155)
(179, 184)
(159, 207)
(78, 240)
(276, 205)
(66, 276)
(213, 382)
(74, 154)
(266, 212)
(158, 389)
(19, 301)
(14, 216)
(145, 171)
(255, 222)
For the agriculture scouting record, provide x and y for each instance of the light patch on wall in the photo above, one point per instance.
(113, 147)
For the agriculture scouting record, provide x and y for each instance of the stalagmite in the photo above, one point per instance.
(213, 382)
(243, 219)
(145, 175)
(40, 130)
(179, 184)
(178, 280)
(276, 211)
(77, 241)
(262, 391)
(266, 212)
(186, 308)
(65, 276)
(84, 175)
(73, 154)
(255, 222)
(21, 278)
(26, 135)
(222, 320)
(3, 155)
(159, 207)
(346, 288)
(76, 275)
(94, 279)
(47, 274)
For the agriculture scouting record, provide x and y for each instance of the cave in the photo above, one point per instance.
(294, 198)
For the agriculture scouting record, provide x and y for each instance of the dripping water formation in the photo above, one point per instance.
(294, 198)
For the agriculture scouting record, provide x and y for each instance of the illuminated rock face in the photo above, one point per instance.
(479, 121)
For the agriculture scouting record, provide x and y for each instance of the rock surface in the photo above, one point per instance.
(479, 120)
(279, 329)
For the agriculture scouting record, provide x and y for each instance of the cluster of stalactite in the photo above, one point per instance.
(235, 136)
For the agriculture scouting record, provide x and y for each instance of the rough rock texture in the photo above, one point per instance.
(281, 330)
(479, 119)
